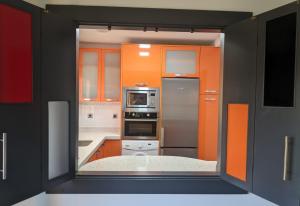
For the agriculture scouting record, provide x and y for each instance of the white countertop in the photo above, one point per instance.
(150, 163)
(98, 136)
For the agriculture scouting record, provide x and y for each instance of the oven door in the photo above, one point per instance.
(140, 129)
(137, 99)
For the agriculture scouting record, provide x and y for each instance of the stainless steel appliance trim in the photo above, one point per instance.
(137, 150)
(162, 136)
(141, 88)
(141, 109)
(141, 120)
(4, 158)
(287, 158)
(140, 138)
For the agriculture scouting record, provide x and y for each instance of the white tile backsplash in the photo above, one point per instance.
(102, 115)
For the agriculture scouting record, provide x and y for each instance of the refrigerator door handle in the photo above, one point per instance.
(162, 137)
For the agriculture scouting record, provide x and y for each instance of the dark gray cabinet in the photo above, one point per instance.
(239, 79)
(32, 164)
(261, 70)
(59, 121)
(20, 120)
(277, 133)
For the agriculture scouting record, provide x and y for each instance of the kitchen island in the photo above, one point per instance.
(150, 163)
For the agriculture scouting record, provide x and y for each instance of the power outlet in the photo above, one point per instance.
(90, 116)
(115, 116)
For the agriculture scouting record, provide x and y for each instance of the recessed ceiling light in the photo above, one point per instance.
(144, 53)
(145, 46)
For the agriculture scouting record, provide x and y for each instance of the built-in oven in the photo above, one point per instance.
(140, 126)
(143, 99)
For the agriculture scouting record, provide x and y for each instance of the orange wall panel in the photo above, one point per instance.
(208, 127)
(237, 136)
(210, 66)
(138, 69)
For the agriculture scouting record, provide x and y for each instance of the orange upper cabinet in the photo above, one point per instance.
(141, 65)
(111, 75)
(89, 74)
(210, 65)
(99, 74)
(208, 127)
(180, 61)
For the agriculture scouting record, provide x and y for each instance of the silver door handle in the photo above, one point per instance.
(4, 158)
(210, 99)
(288, 141)
(210, 91)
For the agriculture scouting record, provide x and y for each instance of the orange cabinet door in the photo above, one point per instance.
(141, 65)
(98, 154)
(89, 74)
(92, 158)
(112, 148)
(180, 61)
(210, 65)
(237, 139)
(110, 75)
(208, 127)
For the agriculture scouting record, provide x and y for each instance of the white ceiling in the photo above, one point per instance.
(255, 6)
(133, 36)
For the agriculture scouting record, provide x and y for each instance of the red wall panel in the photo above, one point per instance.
(15, 55)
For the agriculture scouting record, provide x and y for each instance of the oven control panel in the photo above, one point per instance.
(141, 115)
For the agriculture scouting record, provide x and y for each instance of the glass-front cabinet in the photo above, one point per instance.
(89, 74)
(111, 75)
(99, 74)
(181, 61)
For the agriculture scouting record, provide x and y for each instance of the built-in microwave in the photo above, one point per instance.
(142, 99)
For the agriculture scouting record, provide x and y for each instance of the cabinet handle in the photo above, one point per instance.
(210, 99)
(288, 142)
(210, 91)
(4, 158)
(141, 84)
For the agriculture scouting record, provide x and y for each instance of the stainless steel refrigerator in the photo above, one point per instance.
(180, 99)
